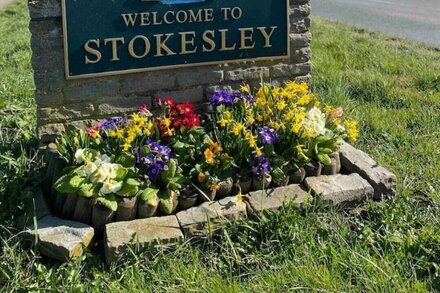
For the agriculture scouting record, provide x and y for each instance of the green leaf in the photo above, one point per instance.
(277, 174)
(167, 205)
(88, 190)
(109, 201)
(68, 183)
(325, 159)
(149, 194)
(126, 160)
(130, 187)
(326, 151)
(121, 173)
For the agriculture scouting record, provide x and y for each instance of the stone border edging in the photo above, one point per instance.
(60, 239)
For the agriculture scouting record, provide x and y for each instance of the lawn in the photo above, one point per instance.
(391, 86)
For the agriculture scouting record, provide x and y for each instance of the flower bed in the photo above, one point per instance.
(150, 164)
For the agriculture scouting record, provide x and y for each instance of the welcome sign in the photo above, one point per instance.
(108, 37)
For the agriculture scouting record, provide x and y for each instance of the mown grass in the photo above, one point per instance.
(391, 86)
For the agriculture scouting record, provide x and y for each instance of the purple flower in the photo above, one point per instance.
(268, 135)
(262, 165)
(247, 98)
(154, 170)
(221, 97)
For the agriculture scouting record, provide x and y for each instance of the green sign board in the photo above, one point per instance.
(108, 37)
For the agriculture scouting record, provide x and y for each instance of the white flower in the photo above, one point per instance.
(340, 128)
(90, 167)
(316, 115)
(104, 172)
(111, 187)
(79, 156)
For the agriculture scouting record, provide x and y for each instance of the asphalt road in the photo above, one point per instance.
(412, 19)
(3, 3)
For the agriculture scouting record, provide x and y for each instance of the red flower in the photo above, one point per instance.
(143, 108)
(169, 102)
(185, 109)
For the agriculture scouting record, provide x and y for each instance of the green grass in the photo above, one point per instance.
(391, 86)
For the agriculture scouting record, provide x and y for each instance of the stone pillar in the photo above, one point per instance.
(63, 104)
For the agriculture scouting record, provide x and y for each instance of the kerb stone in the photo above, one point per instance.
(273, 199)
(345, 190)
(356, 161)
(199, 221)
(60, 239)
(140, 233)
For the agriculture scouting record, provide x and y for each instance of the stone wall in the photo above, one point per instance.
(63, 104)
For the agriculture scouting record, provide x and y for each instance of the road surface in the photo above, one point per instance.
(3, 3)
(412, 19)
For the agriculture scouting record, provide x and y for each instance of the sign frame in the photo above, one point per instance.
(159, 68)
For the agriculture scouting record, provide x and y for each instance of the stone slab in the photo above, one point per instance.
(345, 190)
(60, 239)
(356, 161)
(140, 233)
(197, 221)
(273, 199)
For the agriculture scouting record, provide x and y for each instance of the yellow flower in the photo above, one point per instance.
(209, 156)
(296, 128)
(352, 129)
(148, 128)
(258, 152)
(239, 197)
(259, 118)
(308, 133)
(238, 128)
(252, 140)
(245, 88)
(137, 119)
(126, 146)
(304, 100)
(166, 122)
(215, 146)
(202, 177)
(301, 88)
(169, 132)
(112, 133)
(281, 105)
(94, 133)
(223, 122)
(214, 186)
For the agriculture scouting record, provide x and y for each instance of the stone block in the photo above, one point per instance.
(198, 76)
(301, 55)
(242, 74)
(65, 112)
(48, 132)
(345, 190)
(291, 70)
(356, 161)
(44, 8)
(300, 40)
(47, 35)
(192, 95)
(300, 10)
(200, 220)
(299, 25)
(60, 239)
(140, 233)
(90, 89)
(141, 83)
(121, 105)
(273, 199)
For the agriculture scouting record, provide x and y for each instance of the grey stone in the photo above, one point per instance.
(273, 199)
(301, 10)
(44, 8)
(90, 89)
(206, 218)
(48, 132)
(198, 76)
(300, 40)
(121, 105)
(66, 112)
(299, 25)
(288, 69)
(340, 189)
(356, 161)
(240, 74)
(192, 95)
(47, 35)
(146, 82)
(60, 239)
(140, 233)
(301, 55)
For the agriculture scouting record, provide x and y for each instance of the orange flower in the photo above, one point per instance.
(202, 177)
